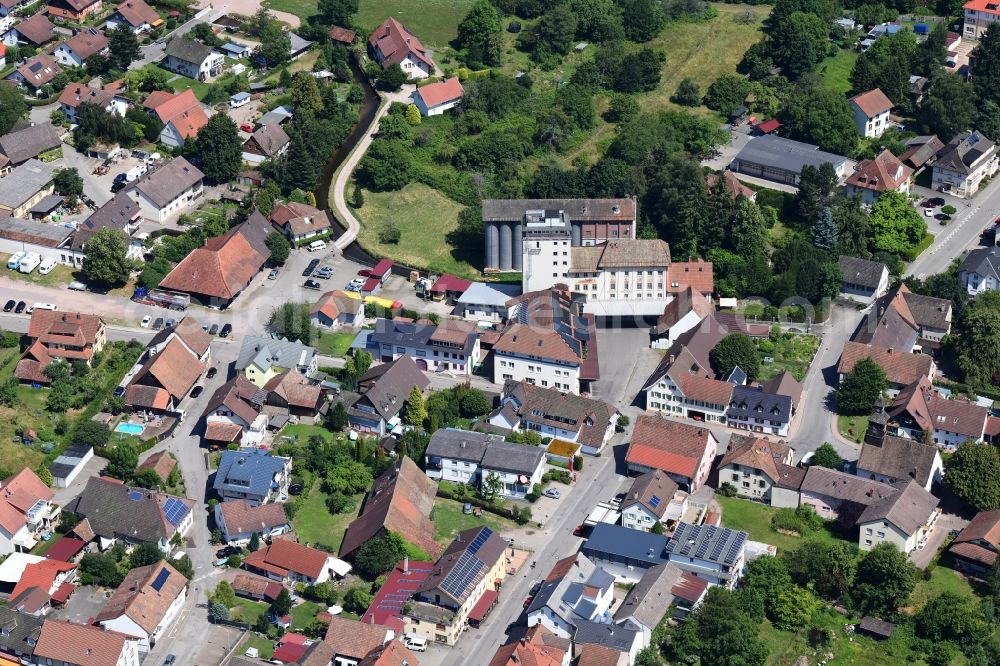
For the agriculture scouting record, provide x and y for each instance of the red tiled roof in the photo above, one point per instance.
(79, 644)
(41, 575)
(696, 274)
(222, 431)
(76, 94)
(450, 283)
(900, 367)
(344, 35)
(137, 12)
(395, 43)
(181, 109)
(768, 126)
(441, 92)
(65, 549)
(160, 462)
(396, 591)
(18, 494)
(39, 70)
(873, 102)
(690, 588)
(291, 556)
(242, 518)
(974, 552)
(151, 397)
(885, 172)
(220, 269)
(84, 44)
(543, 343)
(176, 368)
(984, 6)
(667, 445)
(353, 639)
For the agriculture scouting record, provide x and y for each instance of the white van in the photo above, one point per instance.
(415, 642)
(317, 245)
(41, 306)
(47, 265)
(30, 262)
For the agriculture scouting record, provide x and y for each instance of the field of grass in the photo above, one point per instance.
(434, 22)
(792, 352)
(316, 525)
(29, 410)
(836, 71)
(425, 217)
(449, 520)
(304, 613)
(334, 344)
(301, 8)
(247, 610)
(303, 431)
(852, 427)
(755, 519)
(942, 580)
(264, 645)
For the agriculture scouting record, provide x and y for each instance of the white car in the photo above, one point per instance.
(145, 321)
(41, 306)
(928, 212)
(551, 492)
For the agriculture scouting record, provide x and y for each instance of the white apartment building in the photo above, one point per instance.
(871, 112)
(463, 456)
(964, 163)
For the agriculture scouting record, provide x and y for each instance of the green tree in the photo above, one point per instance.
(824, 230)
(642, 19)
(474, 403)
(884, 580)
(122, 460)
(688, 93)
(492, 486)
(219, 149)
(254, 544)
(827, 456)
(978, 360)
(305, 94)
(985, 65)
(275, 44)
(952, 617)
(386, 166)
(8, 391)
(279, 246)
(224, 594)
(358, 599)
(793, 608)
(896, 226)
(348, 477)
(816, 189)
(799, 43)
(481, 35)
(217, 612)
(412, 114)
(766, 578)
(392, 78)
(336, 418)
(736, 349)
(147, 478)
(861, 387)
(123, 47)
(416, 409)
(722, 633)
(552, 35)
(338, 12)
(100, 569)
(887, 66)
(282, 604)
(817, 114)
(973, 474)
(948, 106)
(91, 433)
(338, 503)
(829, 568)
(12, 104)
(106, 259)
(376, 556)
(726, 93)
(144, 554)
(69, 184)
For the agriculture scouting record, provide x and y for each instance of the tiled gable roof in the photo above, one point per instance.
(670, 446)
(290, 556)
(220, 269)
(36, 29)
(885, 172)
(352, 639)
(873, 102)
(567, 411)
(899, 458)
(145, 595)
(900, 367)
(396, 42)
(86, 43)
(137, 12)
(240, 517)
(79, 644)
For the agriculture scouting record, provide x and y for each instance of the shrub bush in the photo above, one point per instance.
(727, 490)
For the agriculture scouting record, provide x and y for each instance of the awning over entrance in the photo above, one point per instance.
(483, 607)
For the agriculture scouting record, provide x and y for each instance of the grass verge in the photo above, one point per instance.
(836, 71)
(334, 344)
(852, 427)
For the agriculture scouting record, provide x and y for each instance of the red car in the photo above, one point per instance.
(578, 530)
(247, 127)
(527, 602)
(365, 272)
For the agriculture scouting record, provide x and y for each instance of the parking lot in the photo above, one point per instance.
(84, 605)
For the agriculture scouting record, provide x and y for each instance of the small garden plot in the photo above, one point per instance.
(786, 351)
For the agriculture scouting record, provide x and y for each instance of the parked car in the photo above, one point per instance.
(467, 508)
(226, 330)
(19, 308)
(928, 212)
(146, 321)
(158, 324)
(169, 661)
(273, 275)
(365, 272)
(227, 551)
(312, 284)
(212, 372)
(170, 323)
(247, 127)
(196, 391)
(213, 329)
(78, 286)
(310, 268)
(528, 600)
(9, 305)
(552, 492)
(936, 201)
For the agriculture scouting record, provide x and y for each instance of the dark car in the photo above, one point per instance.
(312, 284)
(226, 330)
(942, 217)
(365, 272)
(118, 186)
(214, 329)
(20, 307)
(9, 305)
(295, 487)
(227, 551)
(119, 391)
(169, 661)
(527, 602)
(197, 391)
(936, 201)
(212, 372)
(158, 324)
(170, 323)
(310, 268)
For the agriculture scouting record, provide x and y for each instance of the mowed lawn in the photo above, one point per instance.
(425, 217)
(836, 71)
(449, 520)
(703, 51)
(316, 525)
(755, 519)
(434, 22)
(301, 8)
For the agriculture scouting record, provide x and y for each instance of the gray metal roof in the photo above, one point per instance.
(781, 153)
(617, 542)
(24, 182)
(611, 636)
(482, 293)
(460, 444)
(266, 352)
(248, 473)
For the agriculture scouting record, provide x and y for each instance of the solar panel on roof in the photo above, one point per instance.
(135, 495)
(478, 542)
(174, 510)
(654, 501)
(161, 578)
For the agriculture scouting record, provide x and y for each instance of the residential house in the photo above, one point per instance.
(28, 143)
(572, 418)
(353, 641)
(484, 301)
(286, 560)
(384, 389)
(239, 520)
(74, 51)
(168, 190)
(553, 344)
(34, 31)
(976, 546)
(35, 73)
(873, 177)
(871, 112)
(682, 385)
(623, 552)
(122, 213)
(921, 151)
(464, 585)
(863, 280)
(336, 309)
(901, 368)
(685, 452)
(979, 16)
(482, 459)
(42, 584)
(961, 166)
(65, 643)
(393, 44)
(840, 496)
(235, 414)
(606, 644)
(173, 362)
(181, 113)
(904, 321)
(776, 158)
(57, 335)
(7, 7)
(266, 143)
(162, 463)
(646, 604)
(218, 272)
(136, 14)
(261, 358)
(109, 98)
(452, 345)
(400, 501)
(193, 59)
(387, 606)
(574, 591)
(920, 412)
(19, 633)
(654, 498)
(893, 460)
(729, 181)
(257, 588)
(256, 477)
(980, 270)
(295, 395)
(784, 383)
(754, 408)
(762, 470)
(145, 604)
(26, 511)
(114, 512)
(682, 313)
(298, 221)
(537, 646)
(716, 554)
(22, 188)
(903, 519)
(436, 98)
(76, 11)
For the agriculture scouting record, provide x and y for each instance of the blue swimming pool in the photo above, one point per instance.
(130, 428)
